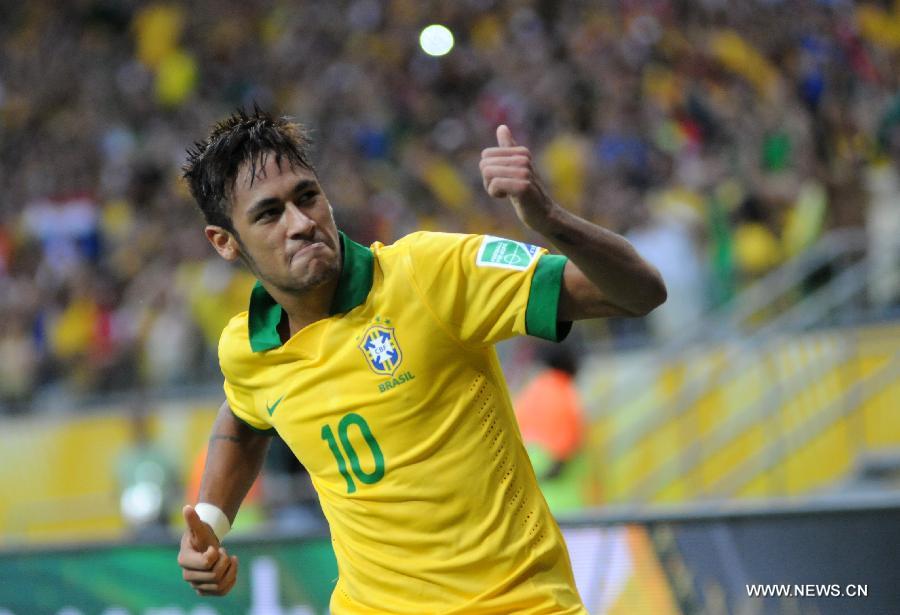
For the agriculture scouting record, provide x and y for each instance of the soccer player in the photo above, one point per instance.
(376, 366)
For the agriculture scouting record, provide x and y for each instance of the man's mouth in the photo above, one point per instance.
(309, 246)
(315, 245)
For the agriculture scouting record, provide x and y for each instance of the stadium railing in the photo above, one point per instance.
(843, 254)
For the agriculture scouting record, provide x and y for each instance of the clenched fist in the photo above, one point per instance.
(507, 171)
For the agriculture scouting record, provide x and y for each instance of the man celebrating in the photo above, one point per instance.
(376, 366)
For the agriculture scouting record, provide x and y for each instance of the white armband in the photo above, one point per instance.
(214, 517)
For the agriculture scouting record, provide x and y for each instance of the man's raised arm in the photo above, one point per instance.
(605, 275)
(233, 460)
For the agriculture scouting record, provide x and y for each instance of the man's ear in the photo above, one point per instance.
(223, 241)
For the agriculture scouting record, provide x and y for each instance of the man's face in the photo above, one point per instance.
(286, 232)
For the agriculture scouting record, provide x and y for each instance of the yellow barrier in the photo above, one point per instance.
(786, 417)
(58, 474)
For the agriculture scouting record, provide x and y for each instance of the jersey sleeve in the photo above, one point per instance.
(241, 405)
(485, 289)
(239, 398)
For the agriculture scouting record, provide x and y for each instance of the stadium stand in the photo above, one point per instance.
(722, 138)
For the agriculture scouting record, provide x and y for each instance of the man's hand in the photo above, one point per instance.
(205, 565)
(506, 171)
(605, 276)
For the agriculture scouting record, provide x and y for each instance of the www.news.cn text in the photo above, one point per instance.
(808, 590)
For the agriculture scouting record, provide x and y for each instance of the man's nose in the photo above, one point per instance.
(298, 223)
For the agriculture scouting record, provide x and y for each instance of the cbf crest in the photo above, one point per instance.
(383, 354)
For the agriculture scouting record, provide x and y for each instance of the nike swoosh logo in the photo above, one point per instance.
(271, 408)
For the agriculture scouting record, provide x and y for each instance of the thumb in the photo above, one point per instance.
(504, 136)
(202, 536)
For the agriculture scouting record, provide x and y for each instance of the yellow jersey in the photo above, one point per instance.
(397, 406)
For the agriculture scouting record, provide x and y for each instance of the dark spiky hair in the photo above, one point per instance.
(212, 164)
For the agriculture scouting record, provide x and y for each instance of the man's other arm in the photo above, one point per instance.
(233, 460)
(605, 276)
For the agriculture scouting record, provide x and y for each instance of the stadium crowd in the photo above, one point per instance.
(719, 144)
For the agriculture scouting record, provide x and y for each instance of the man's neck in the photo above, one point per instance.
(304, 308)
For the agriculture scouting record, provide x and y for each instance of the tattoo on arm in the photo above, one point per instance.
(563, 237)
(218, 436)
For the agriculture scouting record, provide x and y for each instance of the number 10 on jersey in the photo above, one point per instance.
(368, 478)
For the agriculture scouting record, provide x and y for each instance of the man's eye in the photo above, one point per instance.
(308, 195)
(267, 214)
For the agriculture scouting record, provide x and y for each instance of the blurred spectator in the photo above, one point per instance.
(147, 482)
(552, 424)
(18, 361)
(666, 235)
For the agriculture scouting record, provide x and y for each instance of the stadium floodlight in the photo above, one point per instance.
(436, 40)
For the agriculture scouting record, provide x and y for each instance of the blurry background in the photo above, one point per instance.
(750, 150)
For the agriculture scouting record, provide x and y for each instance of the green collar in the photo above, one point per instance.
(352, 290)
